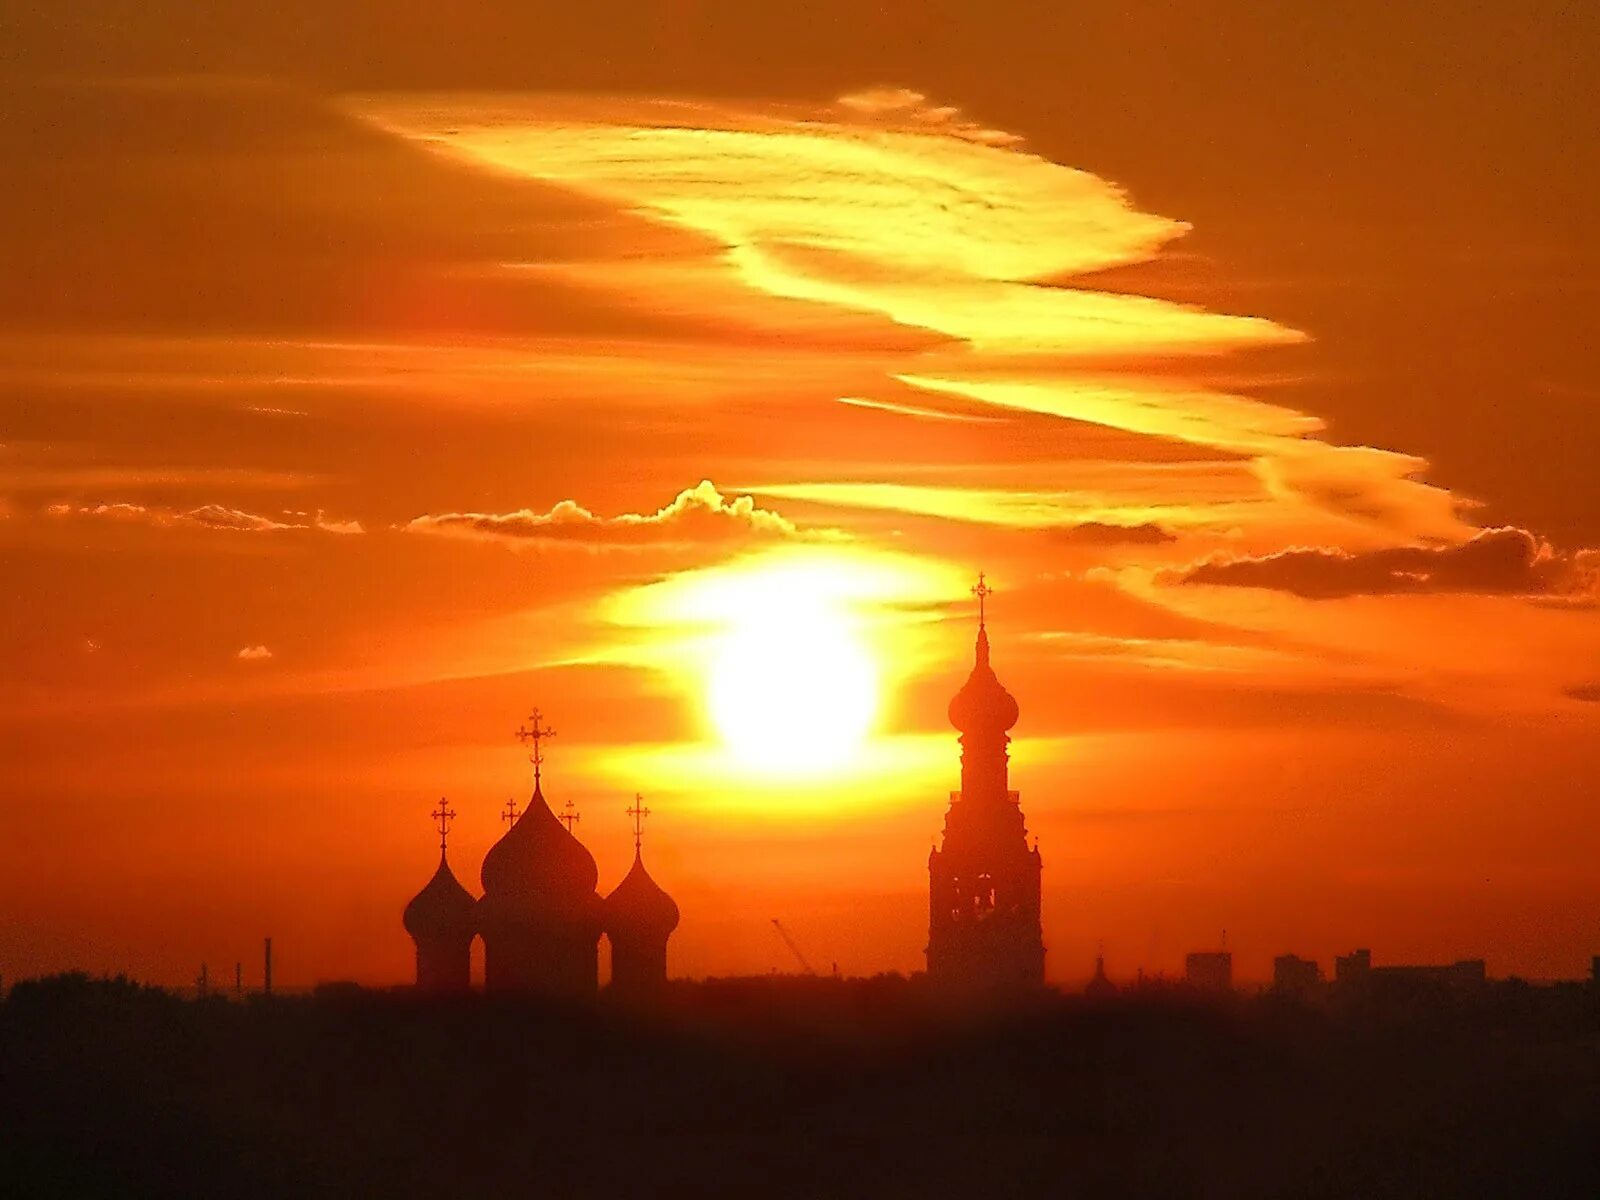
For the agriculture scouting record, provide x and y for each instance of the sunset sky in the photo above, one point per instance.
(370, 374)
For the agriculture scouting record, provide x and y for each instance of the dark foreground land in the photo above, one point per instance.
(796, 1088)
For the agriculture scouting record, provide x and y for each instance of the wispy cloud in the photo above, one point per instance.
(888, 204)
(882, 203)
(913, 410)
(1291, 465)
(1058, 511)
(903, 109)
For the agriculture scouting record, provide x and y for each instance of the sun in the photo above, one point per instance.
(791, 654)
(792, 688)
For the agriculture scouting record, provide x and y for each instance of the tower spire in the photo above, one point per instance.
(638, 812)
(982, 591)
(444, 814)
(535, 731)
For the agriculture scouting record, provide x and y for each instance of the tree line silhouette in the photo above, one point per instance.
(794, 1085)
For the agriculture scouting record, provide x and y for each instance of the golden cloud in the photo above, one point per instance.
(697, 515)
(206, 516)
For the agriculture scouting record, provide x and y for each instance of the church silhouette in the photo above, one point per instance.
(541, 917)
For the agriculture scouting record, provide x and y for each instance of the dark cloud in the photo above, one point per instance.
(1496, 561)
(1098, 533)
(1584, 691)
(698, 515)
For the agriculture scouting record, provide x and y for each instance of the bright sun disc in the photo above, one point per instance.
(793, 691)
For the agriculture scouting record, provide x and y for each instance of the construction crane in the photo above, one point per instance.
(793, 949)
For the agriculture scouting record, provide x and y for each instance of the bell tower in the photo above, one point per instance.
(984, 931)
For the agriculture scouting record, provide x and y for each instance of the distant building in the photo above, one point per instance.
(1355, 970)
(1466, 973)
(984, 929)
(1209, 970)
(1295, 976)
(1594, 970)
(1353, 967)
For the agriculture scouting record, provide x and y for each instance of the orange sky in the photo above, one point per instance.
(365, 382)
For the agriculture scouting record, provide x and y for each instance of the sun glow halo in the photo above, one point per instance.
(792, 653)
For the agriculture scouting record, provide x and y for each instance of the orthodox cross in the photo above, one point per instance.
(983, 591)
(509, 816)
(444, 814)
(638, 812)
(568, 814)
(536, 734)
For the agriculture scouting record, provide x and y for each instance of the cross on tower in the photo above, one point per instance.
(536, 735)
(983, 591)
(444, 814)
(509, 816)
(638, 812)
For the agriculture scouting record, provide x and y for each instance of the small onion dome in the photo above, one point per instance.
(638, 907)
(539, 873)
(1100, 988)
(442, 909)
(983, 705)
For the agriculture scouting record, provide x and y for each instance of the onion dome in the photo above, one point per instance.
(538, 873)
(1100, 988)
(443, 909)
(638, 907)
(983, 705)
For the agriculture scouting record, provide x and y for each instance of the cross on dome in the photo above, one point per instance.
(638, 812)
(569, 814)
(444, 814)
(536, 734)
(509, 813)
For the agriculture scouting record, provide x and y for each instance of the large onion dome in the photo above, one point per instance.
(443, 909)
(638, 908)
(983, 705)
(539, 874)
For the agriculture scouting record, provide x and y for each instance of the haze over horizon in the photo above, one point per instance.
(367, 382)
